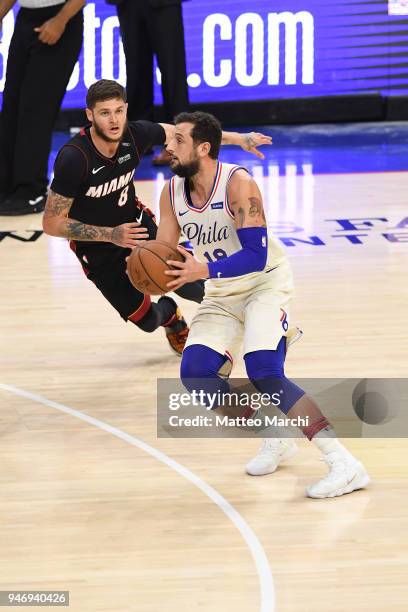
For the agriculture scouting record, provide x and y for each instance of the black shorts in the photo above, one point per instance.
(105, 265)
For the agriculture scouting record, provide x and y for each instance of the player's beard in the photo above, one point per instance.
(186, 170)
(106, 138)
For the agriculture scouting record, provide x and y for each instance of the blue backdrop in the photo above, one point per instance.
(240, 50)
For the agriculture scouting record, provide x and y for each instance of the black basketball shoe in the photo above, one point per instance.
(17, 205)
(176, 329)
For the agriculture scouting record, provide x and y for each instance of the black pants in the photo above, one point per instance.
(147, 31)
(105, 265)
(36, 80)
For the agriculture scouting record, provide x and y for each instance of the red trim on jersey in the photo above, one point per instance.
(218, 180)
(185, 198)
(212, 194)
(144, 208)
(141, 311)
(72, 246)
(171, 192)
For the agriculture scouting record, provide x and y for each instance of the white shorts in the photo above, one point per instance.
(257, 315)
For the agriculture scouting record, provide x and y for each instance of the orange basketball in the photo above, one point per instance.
(147, 264)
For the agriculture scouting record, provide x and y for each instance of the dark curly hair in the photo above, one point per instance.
(206, 129)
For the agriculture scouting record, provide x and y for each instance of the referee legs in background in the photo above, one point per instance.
(153, 27)
(43, 52)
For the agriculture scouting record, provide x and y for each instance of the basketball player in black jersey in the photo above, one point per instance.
(92, 202)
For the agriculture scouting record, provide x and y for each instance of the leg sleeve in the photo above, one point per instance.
(265, 370)
(200, 368)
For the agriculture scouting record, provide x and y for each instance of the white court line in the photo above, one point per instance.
(267, 603)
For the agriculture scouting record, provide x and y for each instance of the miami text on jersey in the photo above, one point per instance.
(97, 191)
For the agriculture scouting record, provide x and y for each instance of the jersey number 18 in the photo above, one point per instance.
(216, 254)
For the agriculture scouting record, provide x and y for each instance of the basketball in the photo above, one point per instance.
(147, 264)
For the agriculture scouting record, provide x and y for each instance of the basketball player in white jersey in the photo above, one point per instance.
(219, 209)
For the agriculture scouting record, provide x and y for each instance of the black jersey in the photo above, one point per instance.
(102, 187)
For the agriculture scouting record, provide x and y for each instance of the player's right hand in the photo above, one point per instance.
(129, 235)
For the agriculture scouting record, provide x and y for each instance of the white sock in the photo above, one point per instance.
(330, 445)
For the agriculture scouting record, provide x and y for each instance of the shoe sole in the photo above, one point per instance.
(21, 213)
(360, 481)
(288, 454)
(173, 350)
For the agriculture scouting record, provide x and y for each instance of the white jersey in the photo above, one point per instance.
(211, 230)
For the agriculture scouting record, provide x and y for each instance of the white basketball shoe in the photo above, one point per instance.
(272, 452)
(346, 474)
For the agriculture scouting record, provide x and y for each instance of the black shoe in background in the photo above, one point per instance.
(17, 205)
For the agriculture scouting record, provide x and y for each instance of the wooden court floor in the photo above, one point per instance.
(101, 516)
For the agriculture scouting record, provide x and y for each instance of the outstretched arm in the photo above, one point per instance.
(248, 142)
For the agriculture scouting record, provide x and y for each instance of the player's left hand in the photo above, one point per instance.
(51, 31)
(187, 271)
(252, 140)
